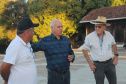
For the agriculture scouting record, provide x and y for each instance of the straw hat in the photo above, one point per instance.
(100, 20)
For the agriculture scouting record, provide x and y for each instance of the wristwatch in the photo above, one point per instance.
(117, 54)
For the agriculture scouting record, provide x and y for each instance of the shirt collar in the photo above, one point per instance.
(103, 33)
(52, 35)
(28, 44)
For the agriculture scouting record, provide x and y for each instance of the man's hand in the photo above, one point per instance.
(115, 60)
(70, 58)
(92, 67)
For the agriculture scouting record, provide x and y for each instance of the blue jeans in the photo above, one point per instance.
(58, 78)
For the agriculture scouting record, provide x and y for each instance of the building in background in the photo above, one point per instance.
(115, 15)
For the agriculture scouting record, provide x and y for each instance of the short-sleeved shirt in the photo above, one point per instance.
(92, 43)
(20, 55)
(56, 51)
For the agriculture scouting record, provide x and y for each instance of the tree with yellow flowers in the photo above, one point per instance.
(11, 11)
(44, 11)
(70, 12)
(118, 2)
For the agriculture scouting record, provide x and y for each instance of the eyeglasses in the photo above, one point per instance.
(97, 26)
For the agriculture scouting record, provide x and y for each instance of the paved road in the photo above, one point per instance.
(80, 71)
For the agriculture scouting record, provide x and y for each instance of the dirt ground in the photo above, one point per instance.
(80, 71)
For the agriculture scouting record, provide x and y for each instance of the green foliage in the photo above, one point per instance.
(10, 14)
(2, 5)
(3, 45)
(13, 12)
(3, 39)
(7, 34)
(68, 11)
(93, 4)
(2, 35)
(30, 1)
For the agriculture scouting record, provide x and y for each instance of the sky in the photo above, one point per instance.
(26, 0)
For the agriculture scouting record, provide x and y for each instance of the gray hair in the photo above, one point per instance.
(22, 31)
(52, 22)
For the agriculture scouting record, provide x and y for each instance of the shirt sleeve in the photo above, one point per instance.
(113, 40)
(39, 46)
(11, 55)
(86, 45)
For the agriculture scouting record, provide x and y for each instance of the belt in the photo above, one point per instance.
(60, 72)
(103, 61)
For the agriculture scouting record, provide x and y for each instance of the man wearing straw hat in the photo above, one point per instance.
(100, 43)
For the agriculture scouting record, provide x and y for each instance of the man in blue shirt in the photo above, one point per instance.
(58, 53)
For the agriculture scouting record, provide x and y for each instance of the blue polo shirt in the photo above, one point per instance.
(56, 51)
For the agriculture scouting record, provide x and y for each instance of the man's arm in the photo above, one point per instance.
(71, 56)
(115, 59)
(91, 65)
(5, 71)
(39, 46)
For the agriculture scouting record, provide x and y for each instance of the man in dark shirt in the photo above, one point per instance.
(58, 53)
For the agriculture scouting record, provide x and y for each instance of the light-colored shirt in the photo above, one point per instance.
(92, 43)
(20, 55)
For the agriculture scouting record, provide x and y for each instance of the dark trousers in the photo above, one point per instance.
(55, 77)
(105, 69)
